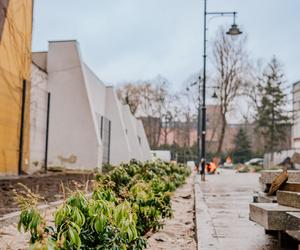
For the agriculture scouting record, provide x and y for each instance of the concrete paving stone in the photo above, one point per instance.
(262, 197)
(293, 219)
(205, 231)
(291, 186)
(224, 217)
(271, 216)
(294, 234)
(235, 244)
(288, 198)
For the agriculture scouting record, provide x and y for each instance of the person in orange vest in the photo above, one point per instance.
(210, 168)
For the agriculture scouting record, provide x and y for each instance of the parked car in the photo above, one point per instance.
(227, 165)
(255, 162)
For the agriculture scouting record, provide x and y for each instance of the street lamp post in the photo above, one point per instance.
(234, 30)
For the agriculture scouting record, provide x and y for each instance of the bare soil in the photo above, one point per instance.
(178, 232)
(47, 185)
(12, 239)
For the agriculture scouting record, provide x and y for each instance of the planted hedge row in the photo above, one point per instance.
(127, 202)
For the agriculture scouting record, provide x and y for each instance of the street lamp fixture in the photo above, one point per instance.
(234, 30)
(215, 96)
(201, 131)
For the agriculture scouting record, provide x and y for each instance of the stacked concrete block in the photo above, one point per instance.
(283, 216)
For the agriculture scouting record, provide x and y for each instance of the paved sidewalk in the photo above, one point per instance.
(222, 213)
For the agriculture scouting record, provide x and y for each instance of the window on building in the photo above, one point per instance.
(104, 126)
(105, 137)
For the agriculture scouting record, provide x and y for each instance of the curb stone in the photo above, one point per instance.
(205, 231)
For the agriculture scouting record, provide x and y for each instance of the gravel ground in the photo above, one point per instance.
(11, 239)
(178, 232)
(47, 185)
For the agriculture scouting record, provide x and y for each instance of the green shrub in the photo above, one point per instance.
(127, 202)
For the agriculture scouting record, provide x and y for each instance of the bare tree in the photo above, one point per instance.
(188, 104)
(251, 91)
(170, 116)
(129, 93)
(153, 98)
(148, 100)
(231, 62)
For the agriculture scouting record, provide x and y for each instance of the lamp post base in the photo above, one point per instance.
(202, 177)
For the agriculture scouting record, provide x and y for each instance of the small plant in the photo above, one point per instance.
(32, 221)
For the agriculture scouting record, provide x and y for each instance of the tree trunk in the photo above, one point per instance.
(157, 134)
(188, 131)
(166, 135)
(222, 135)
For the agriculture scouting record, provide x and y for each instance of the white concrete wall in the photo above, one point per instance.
(73, 138)
(119, 147)
(296, 122)
(146, 151)
(78, 99)
(38, 118)
(130, 124)
(97, 91)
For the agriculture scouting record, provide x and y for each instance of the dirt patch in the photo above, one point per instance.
(12, 239)
(178, 233)
(47, 185)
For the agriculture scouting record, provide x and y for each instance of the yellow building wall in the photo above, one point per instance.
(15, 63)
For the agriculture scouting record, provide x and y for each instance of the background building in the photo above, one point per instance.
(183, 134)
(88, 126)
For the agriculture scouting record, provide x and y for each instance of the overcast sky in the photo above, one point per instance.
(123, 40)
